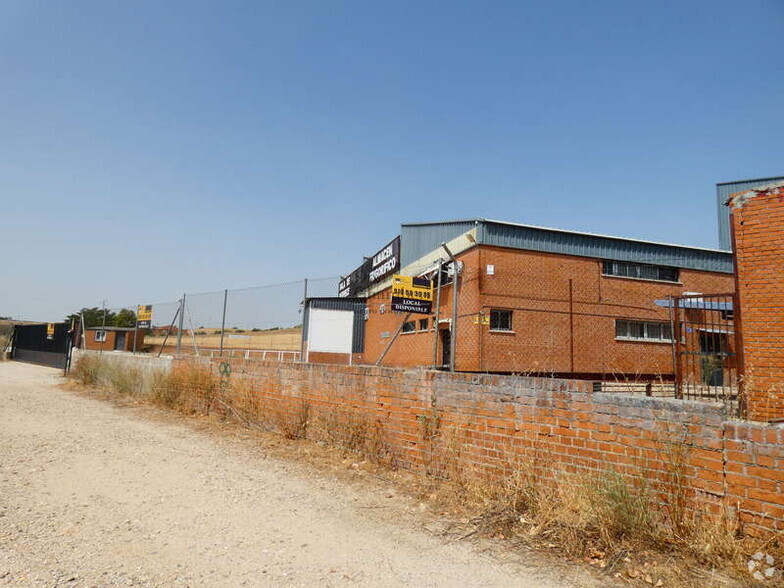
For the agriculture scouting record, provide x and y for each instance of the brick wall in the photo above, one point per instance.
(483, 423)
(551, 333)
(758, 224)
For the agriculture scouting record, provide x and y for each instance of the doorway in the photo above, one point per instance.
(713, 351)
(446, 348)
(119, 341)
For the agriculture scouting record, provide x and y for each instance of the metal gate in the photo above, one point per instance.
(39, 344)
(707, 348)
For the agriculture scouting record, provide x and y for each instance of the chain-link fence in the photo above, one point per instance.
(521, 322)
(260, 322)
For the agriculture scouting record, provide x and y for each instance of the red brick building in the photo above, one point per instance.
(112, 339)
(539, 301)
(758, 227)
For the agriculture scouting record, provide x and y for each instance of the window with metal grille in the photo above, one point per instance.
(409, 327)
(100, 336)
(500, 320)
(423, 324)
(643, 331)
(640, 271)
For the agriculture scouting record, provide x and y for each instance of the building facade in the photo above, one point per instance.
(113, 339)
(532, 300)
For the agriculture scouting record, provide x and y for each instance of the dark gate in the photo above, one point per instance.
(34, 344)
(707, 362)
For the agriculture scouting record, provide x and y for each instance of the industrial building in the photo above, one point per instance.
(530, 300)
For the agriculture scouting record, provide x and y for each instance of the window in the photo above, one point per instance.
(500, 320)
(640, 271)
(409, 327)
(100, 336)
(423, 324)
(643, 331)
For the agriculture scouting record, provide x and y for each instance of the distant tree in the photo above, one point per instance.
(125, 318)
(93, 317)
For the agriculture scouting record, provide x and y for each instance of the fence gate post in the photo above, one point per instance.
(678, 356)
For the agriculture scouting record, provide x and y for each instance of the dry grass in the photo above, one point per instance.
(6, 330)
(122, 380)
(614, 521)
(278, 340)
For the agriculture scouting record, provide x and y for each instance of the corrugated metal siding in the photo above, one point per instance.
(724, 191)
(417, 240)
(354, 304)
(536, 239)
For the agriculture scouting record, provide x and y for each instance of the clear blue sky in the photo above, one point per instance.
(149, 148)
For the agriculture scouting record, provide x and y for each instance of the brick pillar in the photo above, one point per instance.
(758, 226)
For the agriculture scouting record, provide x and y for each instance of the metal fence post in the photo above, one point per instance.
(180, 324)
(678, 356)
(453, 326)
(302, 351)
(437, 316)
(103, 327)
(135, 329)
(223, 321)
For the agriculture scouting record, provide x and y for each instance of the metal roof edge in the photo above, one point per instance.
(750, 180)
(444, 222)
(627, 239)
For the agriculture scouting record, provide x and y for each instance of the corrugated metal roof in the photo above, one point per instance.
(421, 238)
(723, 191)
(697, 304)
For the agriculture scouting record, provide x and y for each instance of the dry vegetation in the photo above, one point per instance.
(6, 329)
(618, 524)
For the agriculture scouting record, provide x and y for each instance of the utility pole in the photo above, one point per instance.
(103, 325)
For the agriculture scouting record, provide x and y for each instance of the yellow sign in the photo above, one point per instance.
(406, 287)
(144, 316)
(412, 294)
(481, 319)
(50, 330)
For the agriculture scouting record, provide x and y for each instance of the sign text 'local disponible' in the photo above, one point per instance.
(412, 295)
(144, 317)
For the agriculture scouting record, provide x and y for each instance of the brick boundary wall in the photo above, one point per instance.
(486, 422)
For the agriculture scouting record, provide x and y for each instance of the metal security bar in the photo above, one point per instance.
(706, 347)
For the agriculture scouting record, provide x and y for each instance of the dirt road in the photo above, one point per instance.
(92, 494)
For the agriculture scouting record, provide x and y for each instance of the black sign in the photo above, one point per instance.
(383, 263)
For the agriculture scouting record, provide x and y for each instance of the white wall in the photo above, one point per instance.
(330, 331)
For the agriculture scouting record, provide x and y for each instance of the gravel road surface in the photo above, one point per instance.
(94, 494)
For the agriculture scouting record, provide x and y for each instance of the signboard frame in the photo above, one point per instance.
(412, 295)
(144, 316)
(379, 266)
